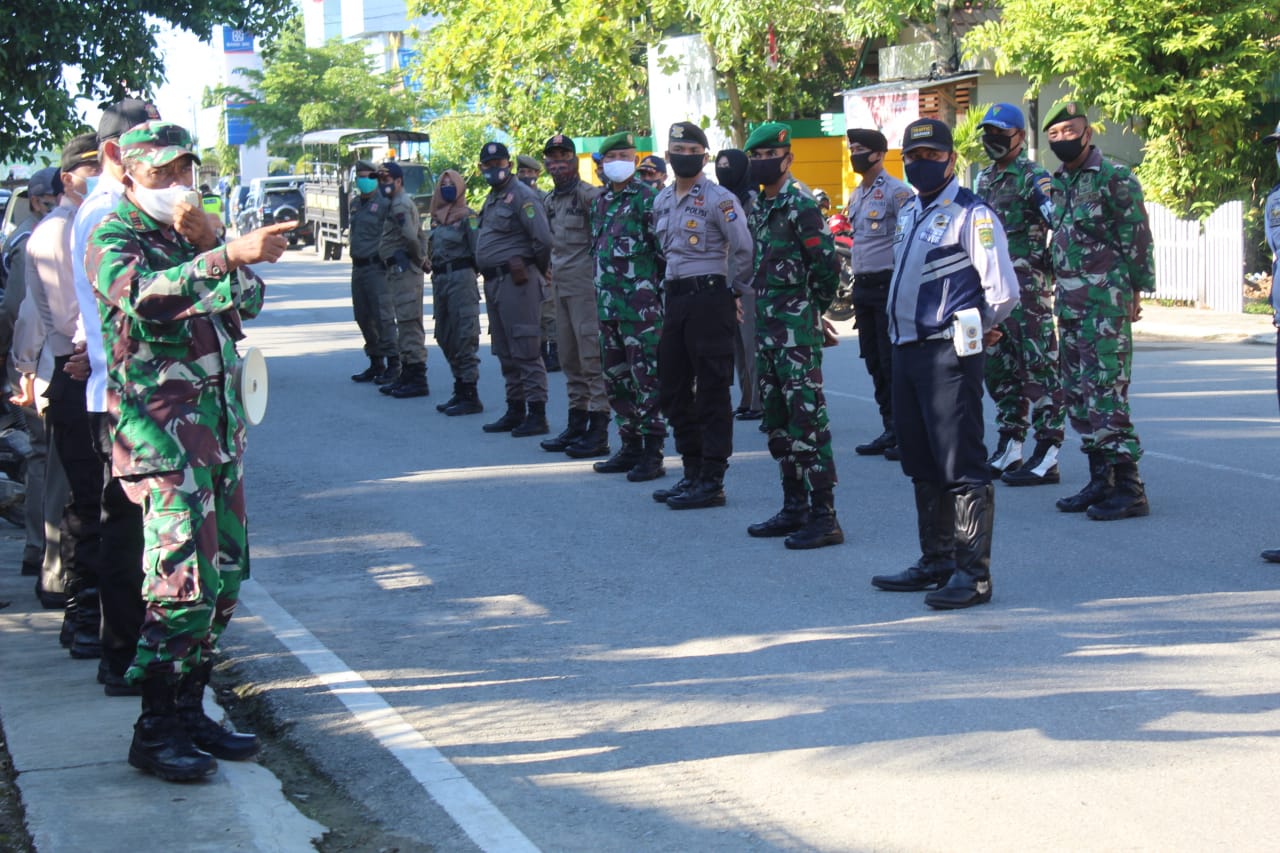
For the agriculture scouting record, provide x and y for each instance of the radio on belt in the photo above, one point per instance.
(966, 332)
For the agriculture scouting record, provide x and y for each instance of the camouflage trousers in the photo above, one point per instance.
(455, 310)
(196, 553)
(1097, 358)
(1022, 367)
(795, 414)
(629, 356)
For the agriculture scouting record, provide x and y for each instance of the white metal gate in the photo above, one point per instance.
(1200, 263)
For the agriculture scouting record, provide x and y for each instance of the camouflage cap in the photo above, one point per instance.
(524, 161)
(927, 133)
(769, 135)
(157, 143)
(560, 142)
(618, 142)
(1064, 110)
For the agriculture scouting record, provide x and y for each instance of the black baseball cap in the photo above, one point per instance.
(122, 115)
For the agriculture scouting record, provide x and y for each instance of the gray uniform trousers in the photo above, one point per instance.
(455, 308)
(578, 341)
(407, 289)
(515, 312)
(374, 309)
(744, 353)
(33, 551)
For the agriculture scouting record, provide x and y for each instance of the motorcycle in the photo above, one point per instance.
(842, 306)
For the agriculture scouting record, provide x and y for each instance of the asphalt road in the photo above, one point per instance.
(563, 663)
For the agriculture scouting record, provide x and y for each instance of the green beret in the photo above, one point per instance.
(157, 143)
(770, 135)
(618, 140)
(1064, 110)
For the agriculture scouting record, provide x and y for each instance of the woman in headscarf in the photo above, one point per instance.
(455, 297)
(733, 172)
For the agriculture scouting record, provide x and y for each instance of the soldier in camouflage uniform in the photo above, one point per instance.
(171, 310)
(1271, 220)
(797, 273)
(629, 303)
(1022, 366)
(1102, 262)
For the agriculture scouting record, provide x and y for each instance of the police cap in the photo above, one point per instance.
(872, 140)
(524, 161)
(494, 151)
(687, 131)
(560, 142)
(81, 149)
(122, 115)
(926, 133)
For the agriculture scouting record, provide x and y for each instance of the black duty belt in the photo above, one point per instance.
(363, 262)
(879, 280)
(495, 272)
(452, 266)
(695, 283)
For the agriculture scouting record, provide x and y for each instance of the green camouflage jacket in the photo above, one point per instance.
(627, 253)
(1021, 195)
(796, 268)
(1101, 247)
(170, 321)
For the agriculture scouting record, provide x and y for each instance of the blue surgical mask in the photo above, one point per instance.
(90, 183)
(449, 194)
(366, 185)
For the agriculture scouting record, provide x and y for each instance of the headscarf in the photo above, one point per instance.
(447, 213)
(733, 172)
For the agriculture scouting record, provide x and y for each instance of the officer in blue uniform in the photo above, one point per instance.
(1272, 220)
(950, 255)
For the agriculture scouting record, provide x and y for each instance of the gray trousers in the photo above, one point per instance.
(515, 312)
(578, 341)
(374, 310)
(455, 308)
(57, 491)
(744, 354)
(407, 289)
(33, 551)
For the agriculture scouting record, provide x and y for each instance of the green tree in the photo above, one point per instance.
(575, 66)
(456, 140)
(301, 89)
(112, 43)
(1191, 75)
(811, 60)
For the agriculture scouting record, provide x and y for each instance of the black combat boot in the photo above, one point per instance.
(1041, 469)
(535, 422)
(551, 357)
(624, 460)
(513, 417)
(1271, 555)
(793, 515)
(453, 399)
(113, 683)
(375, 368)
(67, 633)
(707, 490)
(936, 528)
(468, 402)
(692, 468)
(594, 441)
(413, 382)
(879, 444)
(575, 428)
(206, 734)
(649, 467)
(1006, 457)
(970, 583)
(161, 745)
(1128, 500)
(86, 643)
(823, 528)
(390, 376)
(1101, 485)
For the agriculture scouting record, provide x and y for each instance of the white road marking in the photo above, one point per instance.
(1261, 475)
(479, 818)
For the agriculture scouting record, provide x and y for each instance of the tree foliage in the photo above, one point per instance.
(111, 42)
(301, 89)
(1192, 76)
(456, 140)
(575, 66)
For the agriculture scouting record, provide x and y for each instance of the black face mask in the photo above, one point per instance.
(387, 190)
(927, 176)
(767, 172)
(529, 182)
(1068, 150)
(495, 177)
(686, 165)
(861, 162)
(997, 145)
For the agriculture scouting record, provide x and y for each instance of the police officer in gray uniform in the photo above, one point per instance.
(708, 251)
(873, 214)
(401, 251)
(1271, 219)
(371, 301)
(513, 251)
(577, 323)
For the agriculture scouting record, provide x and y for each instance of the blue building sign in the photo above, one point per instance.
(236, 41)
(239, 127)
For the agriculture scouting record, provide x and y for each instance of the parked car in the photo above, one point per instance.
(272, 200)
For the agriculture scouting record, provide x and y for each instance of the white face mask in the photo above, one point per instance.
(161, 205)
(619, 171)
